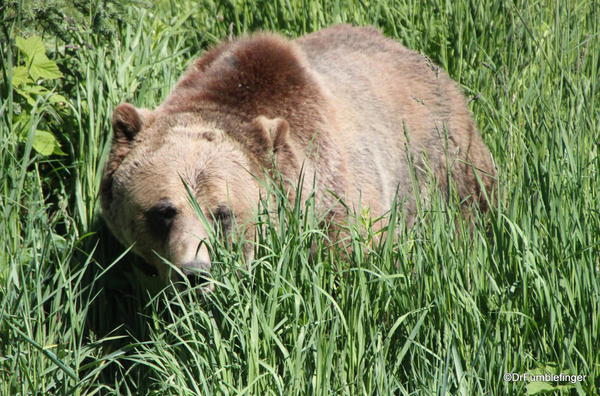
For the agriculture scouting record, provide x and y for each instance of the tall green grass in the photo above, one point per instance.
(430, 312)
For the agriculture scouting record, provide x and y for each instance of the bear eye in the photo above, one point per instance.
(160, 218)
(222, 217)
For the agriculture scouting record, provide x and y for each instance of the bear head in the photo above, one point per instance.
(161, 164)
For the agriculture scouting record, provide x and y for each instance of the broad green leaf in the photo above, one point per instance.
(32, 47)
(35, 89)
(20, 76)
(26, 95)
(44, 68)
(44, 142)
(38, 63)
(58, 150)
(57, 98)
(27, 91)
(534, 388)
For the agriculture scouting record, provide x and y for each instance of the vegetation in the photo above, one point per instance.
(427, 313)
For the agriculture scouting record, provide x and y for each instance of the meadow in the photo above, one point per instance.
(429, 312)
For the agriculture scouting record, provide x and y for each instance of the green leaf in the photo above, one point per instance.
(32, 47)
(20, 76)
(533, 388)
(39, 64)
(58, 151)
(26, 95)
(44, 142)
(44, 68)
(35, 89)
(27, 91)
(57, 98)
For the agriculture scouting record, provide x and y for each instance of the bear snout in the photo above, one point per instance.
(196, 273)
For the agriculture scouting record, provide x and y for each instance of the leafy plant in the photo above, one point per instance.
(429, 313)
(34, 70)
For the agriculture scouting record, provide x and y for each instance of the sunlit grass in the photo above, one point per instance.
(428, 312)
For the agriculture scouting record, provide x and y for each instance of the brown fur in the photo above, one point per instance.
(353, 109)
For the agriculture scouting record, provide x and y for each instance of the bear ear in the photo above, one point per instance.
(276, 131)
(126, 122)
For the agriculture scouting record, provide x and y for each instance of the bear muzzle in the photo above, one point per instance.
(197, 272)
(188, 250)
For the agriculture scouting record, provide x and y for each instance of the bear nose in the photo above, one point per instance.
(195, 273)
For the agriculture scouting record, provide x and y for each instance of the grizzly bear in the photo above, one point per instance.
(356, 113)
